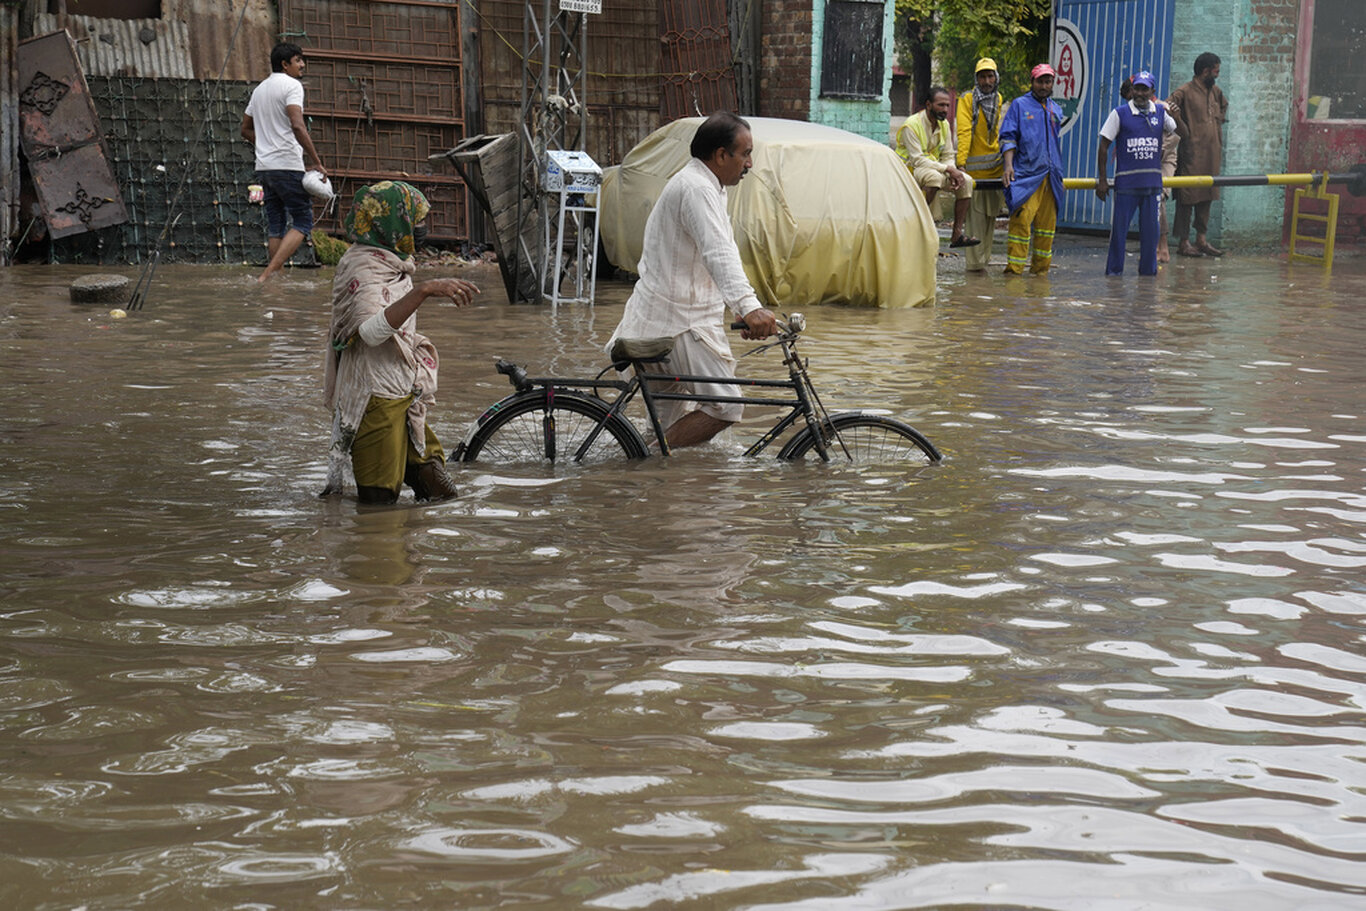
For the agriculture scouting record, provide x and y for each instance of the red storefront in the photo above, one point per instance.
(1328, 125)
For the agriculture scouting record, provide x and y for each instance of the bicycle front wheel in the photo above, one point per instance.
(540, 427)
(865, 438)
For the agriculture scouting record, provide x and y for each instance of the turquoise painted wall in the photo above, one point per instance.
(867, 118)
(1255, 40)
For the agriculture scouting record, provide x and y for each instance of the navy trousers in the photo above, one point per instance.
(1145, 202)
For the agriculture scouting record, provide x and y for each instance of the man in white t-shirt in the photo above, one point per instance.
(274, 123)
(690, 273)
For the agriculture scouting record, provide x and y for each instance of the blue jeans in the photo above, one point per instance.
(285, 195)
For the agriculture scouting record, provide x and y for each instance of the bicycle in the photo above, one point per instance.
(553, 418)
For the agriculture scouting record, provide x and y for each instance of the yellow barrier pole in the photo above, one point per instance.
(1216, 180)
(1355, 180)
(1318, 180)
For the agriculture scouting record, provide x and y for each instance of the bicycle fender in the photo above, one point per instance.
(478, 422)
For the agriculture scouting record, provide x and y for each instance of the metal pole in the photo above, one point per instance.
(1355, 180)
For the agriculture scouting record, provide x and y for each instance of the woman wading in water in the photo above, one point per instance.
(380, 372)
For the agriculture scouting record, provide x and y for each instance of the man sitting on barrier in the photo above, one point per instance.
(925, 143)
(690, 273)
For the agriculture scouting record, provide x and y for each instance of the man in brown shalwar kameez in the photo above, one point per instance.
(1200, 110)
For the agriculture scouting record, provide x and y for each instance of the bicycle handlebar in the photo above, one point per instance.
(515, 374)
(793, 324)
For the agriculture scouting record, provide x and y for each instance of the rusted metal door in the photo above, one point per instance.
(384, 93)
(60, 133)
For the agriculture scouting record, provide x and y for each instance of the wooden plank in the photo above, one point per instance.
(489, 166)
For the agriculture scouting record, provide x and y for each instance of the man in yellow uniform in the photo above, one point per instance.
(926, 145)
(979, 155)
(1030, 131)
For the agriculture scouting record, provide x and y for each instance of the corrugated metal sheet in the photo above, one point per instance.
(153, 48)
(191, 42)
(212, 24)
(1117, 38)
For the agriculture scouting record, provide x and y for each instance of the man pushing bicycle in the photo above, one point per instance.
(690, 273)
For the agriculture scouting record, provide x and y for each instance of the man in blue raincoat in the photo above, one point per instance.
(1033, 173)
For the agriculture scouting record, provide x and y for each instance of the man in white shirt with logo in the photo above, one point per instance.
(274, 123)
(690, 273)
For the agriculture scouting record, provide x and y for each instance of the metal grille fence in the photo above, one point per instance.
(152, 135)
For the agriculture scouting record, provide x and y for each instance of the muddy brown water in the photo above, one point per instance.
(1108, 654)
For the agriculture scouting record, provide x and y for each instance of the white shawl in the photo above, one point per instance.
(368, 280)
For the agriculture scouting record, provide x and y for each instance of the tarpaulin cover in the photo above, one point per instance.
(824, 216)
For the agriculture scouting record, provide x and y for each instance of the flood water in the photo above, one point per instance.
(1108, 654)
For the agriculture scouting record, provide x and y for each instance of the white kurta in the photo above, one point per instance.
(361, 362)
(690, 270)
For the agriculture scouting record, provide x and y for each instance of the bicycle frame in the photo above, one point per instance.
(804, 403)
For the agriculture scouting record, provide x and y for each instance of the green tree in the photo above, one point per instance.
(955, 33)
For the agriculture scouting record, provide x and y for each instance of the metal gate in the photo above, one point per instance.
(695, 59)
(385, 92)
(60, 133)
(1096, 43)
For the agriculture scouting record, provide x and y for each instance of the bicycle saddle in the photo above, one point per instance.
(626, 351)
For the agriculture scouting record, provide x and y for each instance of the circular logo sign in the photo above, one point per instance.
(1074, 71)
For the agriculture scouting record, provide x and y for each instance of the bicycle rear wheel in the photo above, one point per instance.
(867, 438)
(536, 427)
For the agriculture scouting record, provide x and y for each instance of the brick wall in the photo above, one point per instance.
(789, 68)
(785, 60)
(1265, 52)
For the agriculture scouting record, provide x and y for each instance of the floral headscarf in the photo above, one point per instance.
(383, 214)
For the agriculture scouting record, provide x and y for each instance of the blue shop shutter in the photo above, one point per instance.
(1096, 43)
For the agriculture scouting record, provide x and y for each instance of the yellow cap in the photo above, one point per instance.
(986, 63)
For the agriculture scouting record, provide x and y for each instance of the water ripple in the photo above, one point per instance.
(823, 671)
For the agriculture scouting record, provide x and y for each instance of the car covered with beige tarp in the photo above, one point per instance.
(824, 216)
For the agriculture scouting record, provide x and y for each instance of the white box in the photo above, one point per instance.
(570, 172)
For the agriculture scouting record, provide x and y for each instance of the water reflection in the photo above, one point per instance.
(1109, 650)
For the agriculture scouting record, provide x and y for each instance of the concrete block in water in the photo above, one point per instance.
(99, 289)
